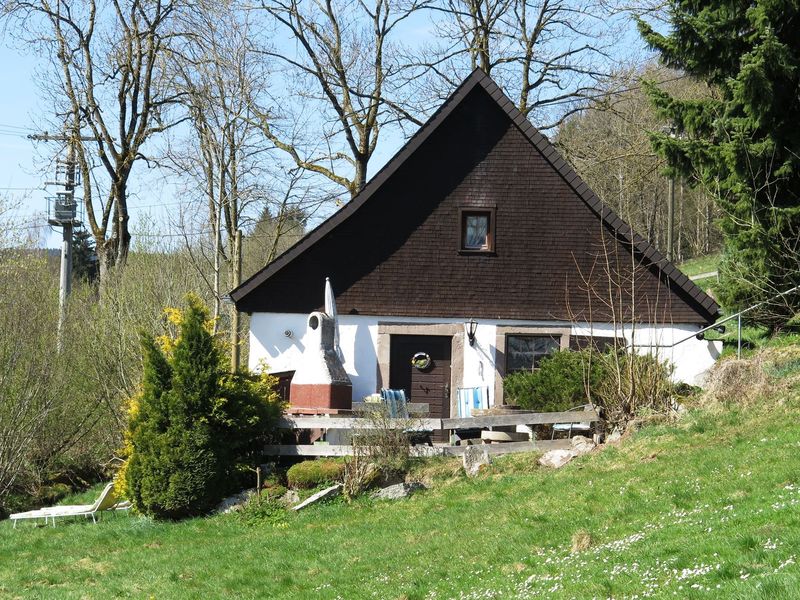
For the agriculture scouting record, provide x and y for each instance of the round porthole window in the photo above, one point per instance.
(421, 360)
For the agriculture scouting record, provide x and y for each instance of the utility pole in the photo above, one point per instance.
(670, 217)
(670, 130)
(62, 211)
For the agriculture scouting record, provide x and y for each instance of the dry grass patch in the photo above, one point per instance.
(437, 471)
(770, 373)
(522, 463)
(581, 541)
(90, 564)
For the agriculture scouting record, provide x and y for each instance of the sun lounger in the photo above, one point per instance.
(106, 501)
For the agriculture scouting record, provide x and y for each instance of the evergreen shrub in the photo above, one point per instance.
(193, 428)
(623, 385)
(313, 473)
(557, 385)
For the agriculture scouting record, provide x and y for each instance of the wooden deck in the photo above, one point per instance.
(341, 421)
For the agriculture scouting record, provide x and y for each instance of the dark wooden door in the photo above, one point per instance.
(431, 384)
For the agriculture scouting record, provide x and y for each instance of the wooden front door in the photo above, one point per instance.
(431, 384)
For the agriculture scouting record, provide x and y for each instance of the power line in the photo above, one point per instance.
(22, 227)
(195, 234)
(9, 126)
(170, 235)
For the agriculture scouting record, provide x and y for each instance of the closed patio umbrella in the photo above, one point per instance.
(330, 310)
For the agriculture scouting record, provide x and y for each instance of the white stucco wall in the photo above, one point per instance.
(358, 336)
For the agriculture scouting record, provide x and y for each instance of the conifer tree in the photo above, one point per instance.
(85, 264)
(193, 427)
(743, 143)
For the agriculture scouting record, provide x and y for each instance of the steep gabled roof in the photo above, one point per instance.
(706, 307)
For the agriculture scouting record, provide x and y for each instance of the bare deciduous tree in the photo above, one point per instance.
(219, 161)
(225, 163)
(340, 63)
(108, 87)
(609, 145)
(547, 54)
(27, 346)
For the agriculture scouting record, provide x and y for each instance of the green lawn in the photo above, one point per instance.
(707, 508)
(700, 264)
(754, 337)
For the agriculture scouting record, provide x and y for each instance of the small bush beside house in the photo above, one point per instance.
(193, 429)
(633, 386)
(560, 383)
(624, 385)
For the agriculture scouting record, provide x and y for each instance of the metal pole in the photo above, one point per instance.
(65, 279)
(670, 217)
(68, 227)
(237, 278)
(739, 335)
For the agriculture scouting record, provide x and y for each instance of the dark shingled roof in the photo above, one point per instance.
(706, 307)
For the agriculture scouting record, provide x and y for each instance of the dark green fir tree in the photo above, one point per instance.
(743, 143)
(85, 265)
(193, 428)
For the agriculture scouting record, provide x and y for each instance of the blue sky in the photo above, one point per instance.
(151, 199)
(18, 103)
(22, 159)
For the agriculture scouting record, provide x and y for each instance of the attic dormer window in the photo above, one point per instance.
(477, 230)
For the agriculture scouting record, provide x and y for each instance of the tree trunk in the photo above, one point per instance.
(237, 276)
(360, 177)
(679, 236)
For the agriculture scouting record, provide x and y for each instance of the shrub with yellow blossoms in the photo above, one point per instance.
(193, 428)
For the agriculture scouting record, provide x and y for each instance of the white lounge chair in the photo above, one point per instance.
(107, 500)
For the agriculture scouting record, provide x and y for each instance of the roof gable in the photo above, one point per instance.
(483, 100)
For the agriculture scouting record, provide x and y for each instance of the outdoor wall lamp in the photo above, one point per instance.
(471, 326)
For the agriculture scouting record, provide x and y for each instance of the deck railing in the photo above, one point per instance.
(341, 422)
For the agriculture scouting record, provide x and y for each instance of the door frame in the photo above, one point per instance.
(455, 331)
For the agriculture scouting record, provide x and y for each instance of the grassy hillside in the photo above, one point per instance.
(708, 507)
(701, 264)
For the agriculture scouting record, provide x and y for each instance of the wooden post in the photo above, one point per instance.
(237, 279)
(670, 218)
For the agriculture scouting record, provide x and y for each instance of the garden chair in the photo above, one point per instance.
(577, 427)
(396, 403)
(397, 406)
(470, 399)
(107, 500)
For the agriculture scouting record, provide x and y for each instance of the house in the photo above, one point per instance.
(479, 250)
